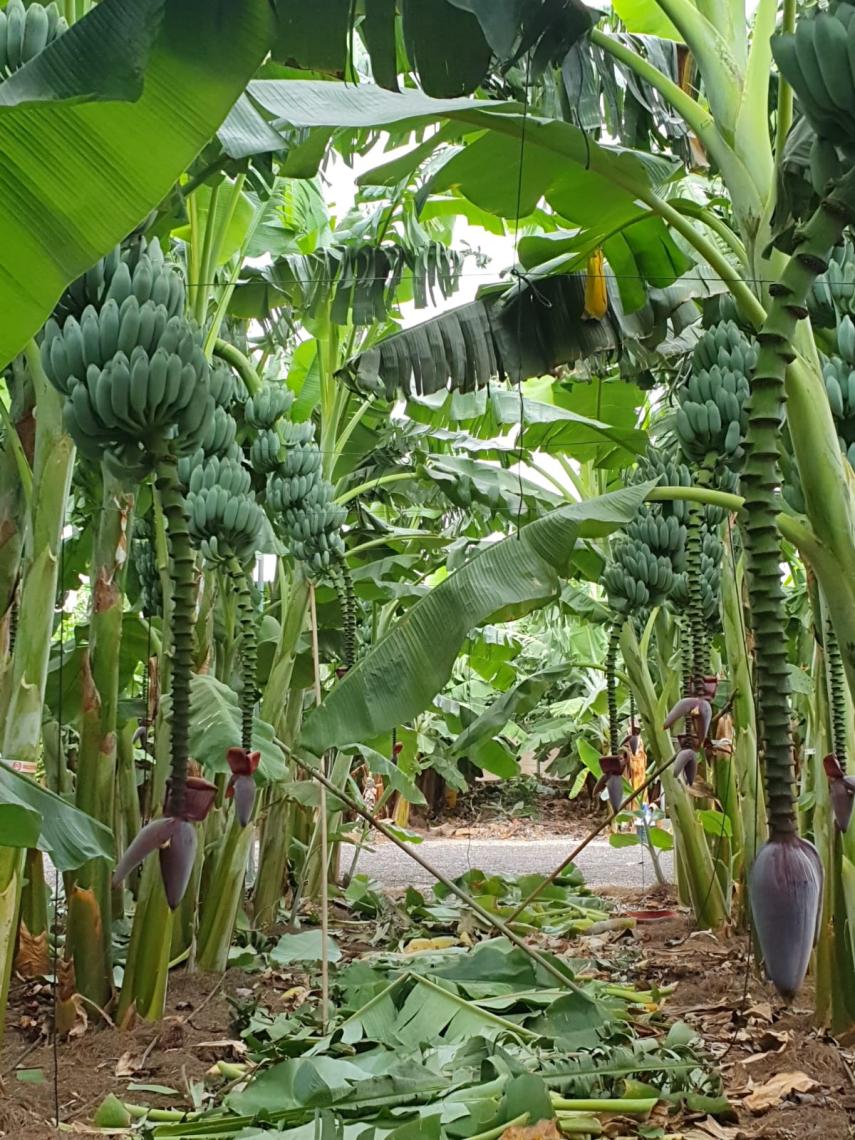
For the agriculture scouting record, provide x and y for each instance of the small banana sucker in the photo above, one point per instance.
(596, 295)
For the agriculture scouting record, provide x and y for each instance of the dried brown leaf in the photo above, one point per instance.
(777, 1089)
(545, 1130)
(33, 958)
(130, 1065)
(710, 1129)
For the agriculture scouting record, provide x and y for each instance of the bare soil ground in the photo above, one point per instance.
(787, 1079)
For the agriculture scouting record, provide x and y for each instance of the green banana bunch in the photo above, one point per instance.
(662, 535)
(833, 293)
(25, 31)
(846, 341)
(139, 269)
(635, 577)
(791, 484)
(226, 387)
(301, 499)
(657, 467)
(221, 434)
(712, 417)
(839, 377)
(225, 520)
(145, 567)
(818, 62)
(130, 404)
(230, 474)
(265, 453)
(268, 405)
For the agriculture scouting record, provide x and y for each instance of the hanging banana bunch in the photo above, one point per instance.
(137, 398)
(838, 372)
(710, 425)
(302, 500)
(832, 295)
(817, 61)
(226, 523)
(711, 417)
(25, 31)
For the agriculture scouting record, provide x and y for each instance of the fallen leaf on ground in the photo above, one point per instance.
(710, 1129)
(776, 1089)
(129, 1065)
(762, 1011)
(545, 1130)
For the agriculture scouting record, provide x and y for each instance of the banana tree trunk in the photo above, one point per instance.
(53, 462)
(285, 716)
(89, 937)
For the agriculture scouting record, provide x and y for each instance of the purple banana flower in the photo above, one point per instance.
(176, 861)
(146, 840)
(696, 708)
(242, 785)
(199, 796)
(174, 837)
(841, 789)
(686, 764)
(612, 779)
(709, 687)
(785, 890)
(633, 739)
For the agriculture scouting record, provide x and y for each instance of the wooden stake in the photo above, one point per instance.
(325, 917)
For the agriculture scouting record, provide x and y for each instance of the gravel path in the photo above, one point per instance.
(601, 864)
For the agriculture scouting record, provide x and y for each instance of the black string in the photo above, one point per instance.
(60, 750)
(521, 438)
(757, 775)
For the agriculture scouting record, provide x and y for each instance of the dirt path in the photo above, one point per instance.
(601, 864)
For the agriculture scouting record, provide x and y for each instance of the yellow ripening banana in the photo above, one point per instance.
(596, 297)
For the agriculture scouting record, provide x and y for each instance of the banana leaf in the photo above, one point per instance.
(81, 164)
(31, 816)
(400, 676)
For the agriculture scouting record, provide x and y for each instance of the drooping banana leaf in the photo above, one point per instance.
(450, 43)
(31, 816)
(525, 331)
(399, 677)
(80, 171)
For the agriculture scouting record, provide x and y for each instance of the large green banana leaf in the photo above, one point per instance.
(80, 168)
(31, 816)
(401, 675)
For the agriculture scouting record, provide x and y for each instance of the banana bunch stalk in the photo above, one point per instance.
(841, 786)
(786, 879)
